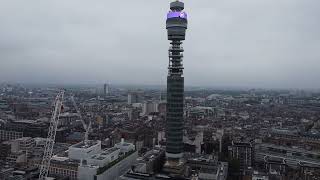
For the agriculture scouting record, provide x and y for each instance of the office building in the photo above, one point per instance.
(90, 162)
(149, 107)
(6, 135)
(108, 164)
(134, 97)
(106, 89)
(293, 157)
(244, 152)
(208, 168)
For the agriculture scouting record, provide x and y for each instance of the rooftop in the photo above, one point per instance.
(82, 145)
(104, 154)
(25, 121)
(24, 138)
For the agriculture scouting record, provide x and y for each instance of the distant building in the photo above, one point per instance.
(24, 144)
(259, 176)
(292, 156)
(193, 142)
(16, 158)
(66, 119)
(162, 108)
(28, 128)
(17, 151)
(285, 136)
(63, 167)
(200, 112)
(275, 165)
(5, 150)
(244, 152)
(309, 171)
(134, 97)
(24, 111)
(106, 89)
(6, 135)
(133, 113)
(4, 173)
(149, 107)
(147, 166)
(209, 169)
(153, 161)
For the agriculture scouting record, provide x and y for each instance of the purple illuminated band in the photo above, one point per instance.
(177, 14)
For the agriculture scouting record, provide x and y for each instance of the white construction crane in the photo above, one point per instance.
(85, 126)
(45, 164)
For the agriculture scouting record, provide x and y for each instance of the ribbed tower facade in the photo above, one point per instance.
(176, 25)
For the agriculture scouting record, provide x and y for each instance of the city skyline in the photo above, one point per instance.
(263, 44)
(84, 93)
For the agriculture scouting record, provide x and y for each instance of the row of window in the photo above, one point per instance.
(63, 172)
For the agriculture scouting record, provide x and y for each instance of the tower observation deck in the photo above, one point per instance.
(176, 26)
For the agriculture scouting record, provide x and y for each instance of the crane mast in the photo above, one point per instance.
(45, 164)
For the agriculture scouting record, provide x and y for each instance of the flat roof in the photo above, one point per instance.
(124, 144)
(294, 149)
(24, 138)
(84, 146)
(104, 154)
(25, 121)
(59, 158)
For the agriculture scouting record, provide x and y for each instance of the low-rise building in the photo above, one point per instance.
(63, 167)
(208, 168)
(84, 150)
(109, 164)
(6, 135)
(292, 156)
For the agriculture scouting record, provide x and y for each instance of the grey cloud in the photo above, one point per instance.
(265, 43)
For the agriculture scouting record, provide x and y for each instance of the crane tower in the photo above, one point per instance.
(45, 164)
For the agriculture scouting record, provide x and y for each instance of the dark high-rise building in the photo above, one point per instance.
(176, 25)
(244, 152)
(106, 89)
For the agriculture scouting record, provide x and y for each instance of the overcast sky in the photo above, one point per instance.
(255, 43)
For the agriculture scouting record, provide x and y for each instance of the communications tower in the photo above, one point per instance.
(176, 26)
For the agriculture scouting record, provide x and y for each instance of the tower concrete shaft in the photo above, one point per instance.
(176, 25)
